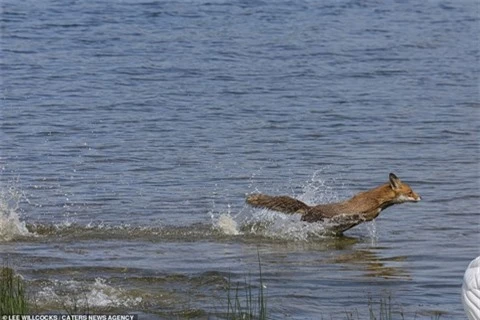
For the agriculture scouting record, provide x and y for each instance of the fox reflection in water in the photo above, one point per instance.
(373, 265)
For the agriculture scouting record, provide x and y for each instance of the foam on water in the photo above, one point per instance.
(76, 294)
(11, 227)
(281, 226)
(226, 224)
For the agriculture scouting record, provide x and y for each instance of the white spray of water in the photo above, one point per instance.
(275, 225)
(372, 230)
(225, 223)
(10, 225)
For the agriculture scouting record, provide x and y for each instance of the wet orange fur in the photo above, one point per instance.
(364, 206)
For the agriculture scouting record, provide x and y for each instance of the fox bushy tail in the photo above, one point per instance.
(277, 203)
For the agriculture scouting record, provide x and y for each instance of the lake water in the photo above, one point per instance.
(131, 132)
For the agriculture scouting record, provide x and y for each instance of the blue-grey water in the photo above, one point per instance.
(131, 132)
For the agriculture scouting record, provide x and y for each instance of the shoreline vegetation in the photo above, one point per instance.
(13, 298)
(253, 307)
(244, 301)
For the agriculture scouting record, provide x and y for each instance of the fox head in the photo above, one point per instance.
(403, 192)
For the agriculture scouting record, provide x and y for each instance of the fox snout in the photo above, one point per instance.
(409, 197)
(416, 198)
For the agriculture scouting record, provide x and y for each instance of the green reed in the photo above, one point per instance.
(243, 303)
(12, 293)
(384, 310)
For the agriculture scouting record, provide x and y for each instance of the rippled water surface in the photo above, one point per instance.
(131, 132)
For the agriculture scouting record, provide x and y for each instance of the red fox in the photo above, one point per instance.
(362, 207)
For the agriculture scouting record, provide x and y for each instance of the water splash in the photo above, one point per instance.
(320, 190)
(76, 294)
(372, 231)
(227, 225)
(225, 222)
(265, 223)
(279, 226)
(11, 227)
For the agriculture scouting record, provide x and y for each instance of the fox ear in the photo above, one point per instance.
(394, 181)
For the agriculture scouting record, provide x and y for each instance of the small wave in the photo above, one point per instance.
(104, 231)
(11, 227)
(264, 224)
(72, 294)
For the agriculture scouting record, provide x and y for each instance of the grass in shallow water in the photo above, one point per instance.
(12, 293)
(245, 302)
